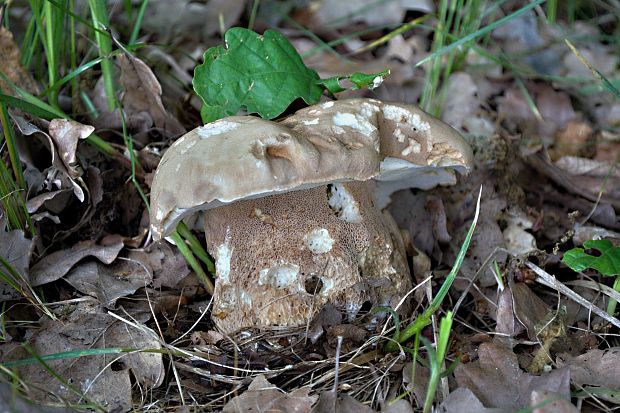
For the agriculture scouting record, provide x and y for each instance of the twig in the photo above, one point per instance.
(544, 278)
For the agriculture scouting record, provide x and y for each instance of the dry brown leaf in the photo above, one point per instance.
(16, 249)
(66, 134)
(54, 266)
(608, 145)
(555, 108)
(497, 380)
(108, 283)
(418, 384)
(332, 402)
(463, 103)
(105, 379)
(586, 183)
(57, 175)
(596, 368)
(262, 396)
(399, 406)
(486, 239)
(191, 19)
(549, 402)
(410, 213)
(11, 66)
(167, 264)
(529, 309)
(518, 240)
(507, 326)
(329, 15)
(12, 402)
(142, 94)
(463, 400)
(572, 140)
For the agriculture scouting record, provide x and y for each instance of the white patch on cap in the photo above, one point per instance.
(413, 147)
(400, 136)
(319, 241)
(311, 122)
(398, 114)
(343, 204)
(354, 121)
(279, 276)
(327, 105)
(160, 214)
(216, 128)
(222, 262)
(369, 109)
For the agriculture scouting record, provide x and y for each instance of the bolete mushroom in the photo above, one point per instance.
(290, 210)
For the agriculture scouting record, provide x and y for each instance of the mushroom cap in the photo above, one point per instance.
(244, 157)
(417, 150)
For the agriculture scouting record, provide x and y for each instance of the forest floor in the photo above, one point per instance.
(98, 316)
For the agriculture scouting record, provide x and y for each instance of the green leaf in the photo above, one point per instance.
(264, 74)
(358, 81)
(608, 263)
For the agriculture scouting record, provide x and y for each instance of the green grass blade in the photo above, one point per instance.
(437, 361)
(138, 23)
(196, 246)
(481, 32)
(191, 260)
(425, 318)
(100, 20)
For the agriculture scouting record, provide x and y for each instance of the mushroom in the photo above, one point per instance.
(290, 210)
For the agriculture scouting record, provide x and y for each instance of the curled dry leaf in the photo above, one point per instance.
(583, 177)
(12, 402)
(66, 134)
(142, 94)
(12, 68)
(106, 379)
(330, 15)
(596, 369)
(332, 402)
(16, 249)
(549, 402)
(262, 396)
(191, 19)
(110, 282)
(167, 264)
(398, 406)
(497, 380)
(463, 400)
(464, 101)
(57, 264)
(57, 175)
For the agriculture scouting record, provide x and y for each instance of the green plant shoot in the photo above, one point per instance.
(608, 263)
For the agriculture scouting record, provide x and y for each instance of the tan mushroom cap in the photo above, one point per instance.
(243, 157)
(417, 150)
